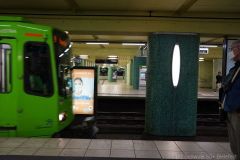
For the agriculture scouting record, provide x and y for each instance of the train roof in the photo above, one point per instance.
(19, 26)
(12, 19)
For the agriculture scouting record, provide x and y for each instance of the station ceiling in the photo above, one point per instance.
(119, 21)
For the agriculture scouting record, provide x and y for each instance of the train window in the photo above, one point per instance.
(5, 68)
(37, 69)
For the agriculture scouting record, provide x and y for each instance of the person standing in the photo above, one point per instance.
(231, 100)
(218, 81)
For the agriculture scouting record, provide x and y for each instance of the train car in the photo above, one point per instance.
(34, 67)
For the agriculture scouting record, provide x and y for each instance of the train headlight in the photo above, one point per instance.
(62, 116)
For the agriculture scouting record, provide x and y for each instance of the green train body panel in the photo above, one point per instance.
(23, 114)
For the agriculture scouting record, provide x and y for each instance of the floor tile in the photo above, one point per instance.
(56, 143)
(2, 139)
(122, 144)
(97, 153)
(226, 146)
(144, 145)
(35, 142)
(122, 153)
(100, 144)
(23, 151)
(147, 154)
(189, 146)
(5, 151)
(196, 155)
(172, 155)
(167, 146)
(13, 142)
(211, 147)
(73, 152)
(78, 143)
(116, 148)
(48, 152)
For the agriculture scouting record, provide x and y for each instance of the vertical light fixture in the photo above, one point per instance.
(176, 65)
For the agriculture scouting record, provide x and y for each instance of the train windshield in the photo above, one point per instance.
(62, 53)
(37, 79)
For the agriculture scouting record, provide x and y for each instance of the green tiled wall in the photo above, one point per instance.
(172, 111)
(110, 74)
(131, 73)
(137, 62)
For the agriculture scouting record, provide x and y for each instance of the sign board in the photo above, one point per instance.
(84, 90)
(203, 50)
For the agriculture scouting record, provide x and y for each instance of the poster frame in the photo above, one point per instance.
(95, 87)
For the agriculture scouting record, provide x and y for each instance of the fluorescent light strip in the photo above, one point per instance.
(133, 44)
(61, 55)
(112, 56)
(103, 43)
(70, 44)
(203, 48)
(201, 58)
(209, 46)
(66, 50)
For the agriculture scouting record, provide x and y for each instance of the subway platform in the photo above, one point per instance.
(99, 149)
(115, 149)
(121, 89)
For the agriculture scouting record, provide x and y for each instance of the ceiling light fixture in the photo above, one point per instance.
(83, 56)
(208, 46)
(111, 56)
(133, 44)
(103, 43)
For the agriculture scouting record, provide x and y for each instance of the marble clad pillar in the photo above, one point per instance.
(172, 111)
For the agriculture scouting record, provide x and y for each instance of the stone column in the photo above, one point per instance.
(172, 111)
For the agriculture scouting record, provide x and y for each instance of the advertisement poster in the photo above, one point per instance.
(83, 91)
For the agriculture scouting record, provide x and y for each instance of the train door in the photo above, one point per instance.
(37, 116)
(8, 88)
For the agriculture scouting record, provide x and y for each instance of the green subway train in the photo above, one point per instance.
(35, 100)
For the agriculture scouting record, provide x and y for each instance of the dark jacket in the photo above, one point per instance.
(232, 90)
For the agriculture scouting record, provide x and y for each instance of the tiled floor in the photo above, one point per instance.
(115, 148)
(120, 88)
(118, 148)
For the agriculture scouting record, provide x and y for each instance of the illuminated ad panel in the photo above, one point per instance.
(83, 91)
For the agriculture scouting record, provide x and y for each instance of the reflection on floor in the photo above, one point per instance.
(120, 88)
(115, 148)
